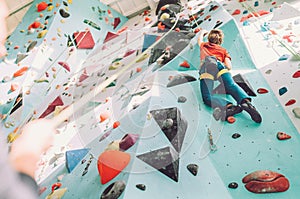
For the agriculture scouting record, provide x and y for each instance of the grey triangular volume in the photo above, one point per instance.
(181, 79)
(172, 124)
(165, 160)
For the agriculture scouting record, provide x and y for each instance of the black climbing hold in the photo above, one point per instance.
(218, 23)
(114, 190)
(70, 42)
(233, 185)
(172, 124)
(141, 187)
(63, 13)
(65, 3)
(165, 160)
(193, 168)
(180, 79)
(236, 135)
(47, 17)
(181, 99)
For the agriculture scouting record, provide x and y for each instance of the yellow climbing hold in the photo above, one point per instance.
(50, 8)
(12, 137)
(42, 33)
(143, 57)
(114, 145)
(57, 194)
(115, 65)
(70, 1)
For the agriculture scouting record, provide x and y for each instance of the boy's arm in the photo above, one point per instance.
(201, 36)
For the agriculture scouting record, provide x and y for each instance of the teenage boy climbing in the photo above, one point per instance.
(215, 65)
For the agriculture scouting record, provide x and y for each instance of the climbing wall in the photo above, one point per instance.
(148, 133)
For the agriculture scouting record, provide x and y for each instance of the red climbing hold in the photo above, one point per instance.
(185, 64)
(55, 186)
(236, 12)
(42, 6)
(262, 91)
(34, 25)
(296, 74)
(290, 102)
(111, 163)
(283, 136)
(116, 124)
(230, 119)
(65, 65)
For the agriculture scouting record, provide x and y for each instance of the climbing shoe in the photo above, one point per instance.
(226, 112)
(255, 116)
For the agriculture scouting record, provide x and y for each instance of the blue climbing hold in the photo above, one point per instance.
(73, 157)
(245, 11)
(282, 90)
(283, 57)
(256, 3)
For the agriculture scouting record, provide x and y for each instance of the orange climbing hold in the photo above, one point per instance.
(185, 64)
(111, 163)
(13, 87)
(230, 119)
(42, 6)
(20, 72)
(138, 69)
(283, 136)
(103, 117)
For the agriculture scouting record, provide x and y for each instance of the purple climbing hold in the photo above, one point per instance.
(128, 141)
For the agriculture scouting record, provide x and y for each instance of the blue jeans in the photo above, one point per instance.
(231, 88)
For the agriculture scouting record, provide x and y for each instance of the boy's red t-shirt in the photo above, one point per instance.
(208, 49)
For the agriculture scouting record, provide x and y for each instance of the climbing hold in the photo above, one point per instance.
(296, 112)
(114, 190)
(13, 87)
(138, 69)
(233, 185)
(111, 163)
(185, 64)
(42, 6)
(256, 3)
(296, 74)
(20, 72)
(84, 40)
(35, 25)
(92, 24)
(57, 194)
(73, 157)
(180, 79)
(141, 187)
(143, 57)
(42, 33)
(63, 13)
(231, 119)
(55, 186)
(236, 12)
(181, 99)
(193, 168)
(110, 36)
(57, 102)
(290, 102)
(113, 145)
(116, 124)
(266, 181)
(65, 65)
(262, 91)
(236, 135)
(283, 57)
(104, 116)
(172, 124)
(128, 141)
(50, 8)
(117, 21)
(31, 46)
(165, 160)
(283, 136)
(282, 91)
